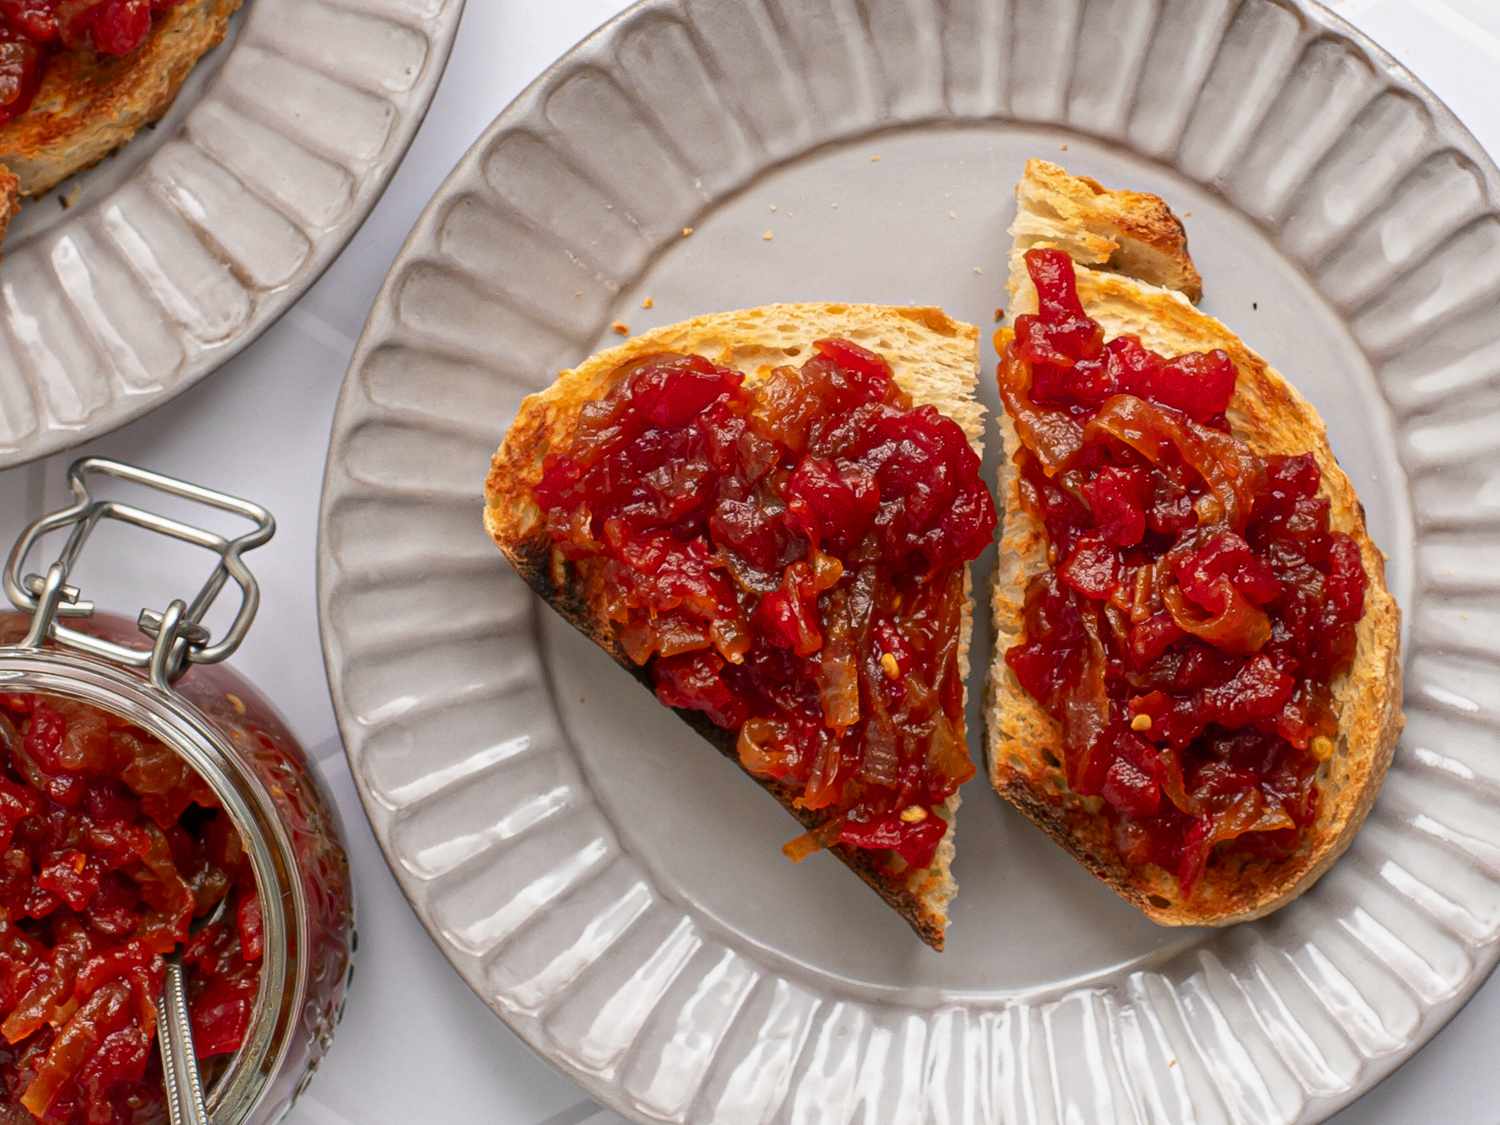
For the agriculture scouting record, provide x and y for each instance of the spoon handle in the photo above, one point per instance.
(179, 1062)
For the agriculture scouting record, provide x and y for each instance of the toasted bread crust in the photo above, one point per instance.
(1126, 232)
(1025, 743)
(935, 359)
(89, 104)
(10, 199)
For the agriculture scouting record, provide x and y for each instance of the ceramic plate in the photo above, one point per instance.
(604, 881)
(127, 284)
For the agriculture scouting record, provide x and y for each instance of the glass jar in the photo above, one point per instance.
(175, 688)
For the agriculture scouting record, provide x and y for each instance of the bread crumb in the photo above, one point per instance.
(648, 303)
(686, 231)
(766, 236)
(978, 271)
(1187, 214)
(621, 328)
(1171, 1063)
(890, 666)
(577, 293)
(1064, 146)
(834, 205)
(875, 159)
(999, 315)
(1255, 305)
(773, 207)
(952, 214)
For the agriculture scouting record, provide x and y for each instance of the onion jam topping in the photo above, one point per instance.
(788, 558)
(111, 848)
(1197, 606)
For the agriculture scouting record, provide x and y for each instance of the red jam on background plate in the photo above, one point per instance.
(787, 557)
(111, 850)
(32, 31)
(1197, 607)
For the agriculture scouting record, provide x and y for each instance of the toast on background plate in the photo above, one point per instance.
(10, 199)
(767, 516)
(1195, 690)
(90, 103)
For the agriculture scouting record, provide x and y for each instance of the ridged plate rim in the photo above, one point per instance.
(255, 27)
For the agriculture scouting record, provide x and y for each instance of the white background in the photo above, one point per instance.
(416, 1045)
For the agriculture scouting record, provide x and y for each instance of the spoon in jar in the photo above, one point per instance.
(174, 1035)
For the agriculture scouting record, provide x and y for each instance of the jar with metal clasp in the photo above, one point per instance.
(85, 695)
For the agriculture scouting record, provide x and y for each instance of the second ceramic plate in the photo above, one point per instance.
(131, 281)
(615, 892)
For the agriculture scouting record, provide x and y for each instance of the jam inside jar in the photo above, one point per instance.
(153, 804)
(116, 853)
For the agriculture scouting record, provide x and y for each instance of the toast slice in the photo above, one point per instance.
(90, 104)
(933, 358)
(1135, 276)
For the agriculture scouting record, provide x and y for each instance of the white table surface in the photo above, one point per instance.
(416, 1045)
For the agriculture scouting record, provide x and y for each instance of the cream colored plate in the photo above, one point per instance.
(614, 890)
(184, 246)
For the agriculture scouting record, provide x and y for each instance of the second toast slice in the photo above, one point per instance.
(1127, 255)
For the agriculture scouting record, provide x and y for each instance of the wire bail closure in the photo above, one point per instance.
(178, 637)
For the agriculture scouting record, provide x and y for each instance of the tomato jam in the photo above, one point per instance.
(1197, 606)
(112, 855)
(787, 557)
(31, 31)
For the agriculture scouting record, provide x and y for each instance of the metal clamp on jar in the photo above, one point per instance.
(163, 673)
